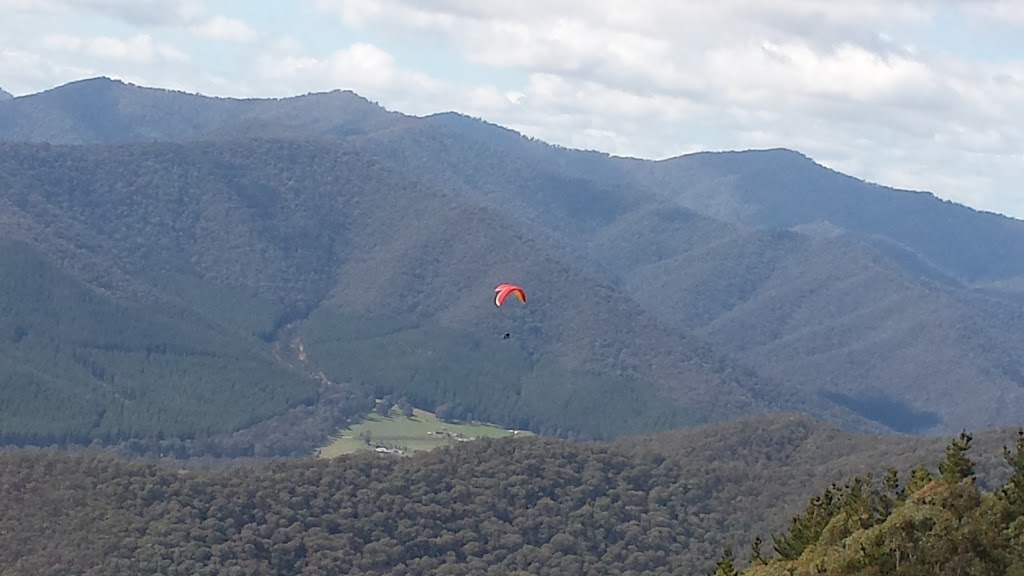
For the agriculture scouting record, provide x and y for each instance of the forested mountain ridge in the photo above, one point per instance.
(782, 189)
(104, 111)
(664, 504)
(306, 230)
(648, 280)
(846, 319)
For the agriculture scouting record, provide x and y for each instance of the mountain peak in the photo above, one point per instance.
(104, 110)
(336, 96)
(95, 83)
(772, 155)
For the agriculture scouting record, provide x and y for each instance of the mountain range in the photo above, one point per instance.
(161, 249)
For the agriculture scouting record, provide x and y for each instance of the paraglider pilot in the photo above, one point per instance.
(502, 291)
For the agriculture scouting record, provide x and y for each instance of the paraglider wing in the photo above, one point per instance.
(502, 291)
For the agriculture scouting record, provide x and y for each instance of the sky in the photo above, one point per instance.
(916, 94)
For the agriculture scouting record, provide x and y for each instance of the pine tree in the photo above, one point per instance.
(1013, 490)
(892, 483)
(919, 478)
(805, 529)
(726, 564)
(893, 494)
(957, 466)
(755, 551)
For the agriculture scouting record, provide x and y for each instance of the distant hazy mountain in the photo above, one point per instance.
(782, 189)
(661, 293)
(5, 95)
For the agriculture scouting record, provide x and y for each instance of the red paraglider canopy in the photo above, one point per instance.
(502, 291)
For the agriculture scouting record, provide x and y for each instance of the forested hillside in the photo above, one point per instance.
(933, 522)
(662, 294)
(782, 189)
(102, 111)
(848, 319)
(667, 504)
(77, 366)
(240, 239)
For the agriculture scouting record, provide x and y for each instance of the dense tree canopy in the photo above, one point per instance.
(505, 506)
(934, 523)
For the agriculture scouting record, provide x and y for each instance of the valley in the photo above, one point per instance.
(380, 236)
(258, 336)
(399, 433)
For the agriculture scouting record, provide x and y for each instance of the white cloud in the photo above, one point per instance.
(683, 22)
(136, 12)
(848, 72)
(225, 29)
(139, 49)
(193, 15)
(851, 83)
(876, 88)
(22, 69)
(1009, 12)
(363, 68)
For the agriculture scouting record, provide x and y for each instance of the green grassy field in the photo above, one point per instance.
(422, 431)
